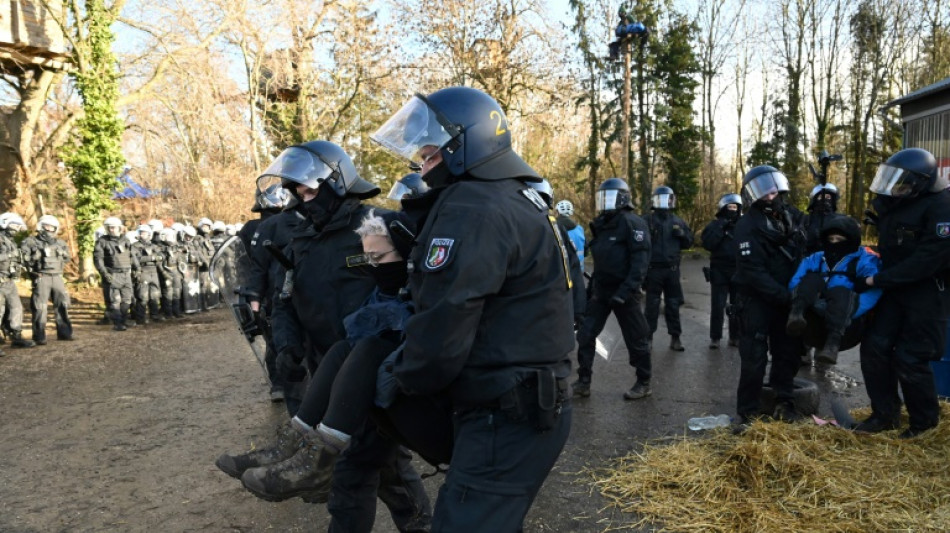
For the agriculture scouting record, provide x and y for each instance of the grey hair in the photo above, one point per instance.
(373, 224)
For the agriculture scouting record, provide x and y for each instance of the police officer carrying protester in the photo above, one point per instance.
(909, 327)
(770, 246)
(45, 257)
(11, 262)
(113, 259)
(620, 246)
(719, 237)
(330, 279)
(669, 235)
(822, 209)
(492, 322)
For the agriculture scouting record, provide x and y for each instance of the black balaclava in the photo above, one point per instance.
(835, 252)
(390, 277)
(321, 209)
(729, 214)
(46, 236)
(439, 176)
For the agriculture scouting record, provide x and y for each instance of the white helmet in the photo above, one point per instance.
(190, 231)
(204, 222)
(100, 231)
(131, 236)
(229, 229)
(156, 225)
(112, 221)
(238, 226)
(13, 221)
(48, 220)
(178, 226)
(828, 187)
(145, 228)
(218, 226)
(168, 235)
(565, 208)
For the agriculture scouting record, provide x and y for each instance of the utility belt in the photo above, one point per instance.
(538, 398)
(118, 270)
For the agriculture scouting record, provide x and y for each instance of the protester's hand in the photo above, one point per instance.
(863, 284)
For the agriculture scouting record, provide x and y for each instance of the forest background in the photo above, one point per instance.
(197, 96)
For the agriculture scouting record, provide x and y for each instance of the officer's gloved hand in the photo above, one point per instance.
(289, 364)
(578, 321)
(678, 230)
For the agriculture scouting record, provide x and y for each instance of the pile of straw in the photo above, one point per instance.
(787, 477)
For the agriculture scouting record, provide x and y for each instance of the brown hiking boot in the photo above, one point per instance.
(308, 474)
(288, 441)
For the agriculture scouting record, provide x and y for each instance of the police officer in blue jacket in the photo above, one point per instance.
(910, 323)
(493, 320)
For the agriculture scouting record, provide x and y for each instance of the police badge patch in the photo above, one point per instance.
(438, 255)
(943, 229)
(638, 235)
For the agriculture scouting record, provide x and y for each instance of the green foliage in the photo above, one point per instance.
(678, 138)
(95, 157)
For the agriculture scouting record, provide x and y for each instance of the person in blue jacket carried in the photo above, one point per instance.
(826, 310)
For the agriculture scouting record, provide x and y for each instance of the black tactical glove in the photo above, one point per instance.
(861, 285)
(578, 321)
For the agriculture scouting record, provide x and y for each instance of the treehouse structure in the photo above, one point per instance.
(30, 36)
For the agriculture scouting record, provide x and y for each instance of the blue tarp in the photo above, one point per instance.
(130, 189)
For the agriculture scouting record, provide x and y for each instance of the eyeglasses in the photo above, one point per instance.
(373, 258)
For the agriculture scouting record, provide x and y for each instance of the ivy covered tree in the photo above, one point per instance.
(94, 159)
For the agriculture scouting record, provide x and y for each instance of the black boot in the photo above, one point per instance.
(581, 387)
(796, 321)
(17, 340)
(308, 474)
(828, 354)
(288, 441)
(154, 311)
(176, 309)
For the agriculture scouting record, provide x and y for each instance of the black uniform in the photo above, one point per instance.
(113, 259)
(266, 275)
(909, 327)
(769, 251)
(492, 327)
(669, 235)
(10, 266)
(331, 280)
(576, 269)
(719, 238)
(170, 269)
(210, 295)
(45, 257)
(148, 286)
(620, 247)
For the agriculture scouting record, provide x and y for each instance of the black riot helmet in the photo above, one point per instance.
(409, 186)
(469, 128)
(907, 174)
(313, 164)
(664, 198)
(613, 194)
(761, 181)
(726, 199)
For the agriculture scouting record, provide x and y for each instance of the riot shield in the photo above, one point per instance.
(191, 289)
(230, 268)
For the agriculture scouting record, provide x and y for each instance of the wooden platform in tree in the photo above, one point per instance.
(30, 35)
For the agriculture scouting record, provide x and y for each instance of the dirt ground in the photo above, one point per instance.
(118, 431)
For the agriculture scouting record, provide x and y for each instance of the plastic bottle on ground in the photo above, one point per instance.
(708, 422)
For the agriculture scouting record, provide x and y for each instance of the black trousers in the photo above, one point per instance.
(722, 290)
(908, 331)
(763, 331)
(633, 327)
(664, 280)
(837, 302)
(47, 286)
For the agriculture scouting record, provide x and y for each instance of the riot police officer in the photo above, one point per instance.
(669, 235)
(330, 279)
(491, 290)
(113, 259)
(148, 287)
(620, 246)
(770, 245)
(719, 238)
(267, 202)
(822, 209)
(409, 186)
(45, 256)
(210, 296)
(11, 263)
(910, 324)
(170, 266)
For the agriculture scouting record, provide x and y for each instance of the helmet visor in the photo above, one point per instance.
(607, 199)
(399, 191)
(664, 201)
(412, 128)
(765, 184)
(893, 181)
(298, 165)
